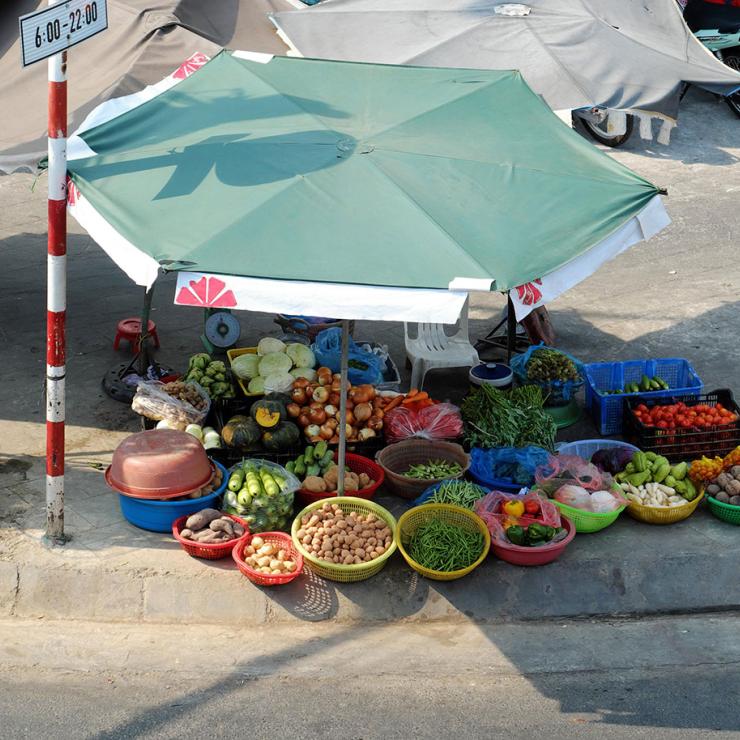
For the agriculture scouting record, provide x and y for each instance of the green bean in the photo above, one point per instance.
(458, 492)
(434, 469)
(445, 547)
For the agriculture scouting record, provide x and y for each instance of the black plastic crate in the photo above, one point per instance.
(684, 444)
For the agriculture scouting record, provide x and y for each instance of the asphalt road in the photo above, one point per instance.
(659, 678)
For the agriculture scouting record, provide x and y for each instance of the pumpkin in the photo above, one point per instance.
(241, 431)
(282, 437)
(267, 413)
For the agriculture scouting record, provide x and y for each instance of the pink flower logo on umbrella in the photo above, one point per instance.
(208, 292)
(190, 65)
(529, 293)
(73, 193)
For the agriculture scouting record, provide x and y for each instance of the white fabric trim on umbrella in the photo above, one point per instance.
(651, 219)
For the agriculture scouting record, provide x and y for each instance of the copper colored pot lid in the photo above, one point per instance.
(161, 463)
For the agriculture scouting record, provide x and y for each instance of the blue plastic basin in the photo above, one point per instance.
(157, 516)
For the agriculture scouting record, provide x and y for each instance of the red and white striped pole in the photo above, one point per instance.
(56, 296)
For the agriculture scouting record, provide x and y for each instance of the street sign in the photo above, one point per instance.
(51, 30)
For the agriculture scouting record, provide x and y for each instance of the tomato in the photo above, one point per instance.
(642, 408)
(662, 425)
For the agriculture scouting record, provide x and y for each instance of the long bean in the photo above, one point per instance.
(445, 547)
(434, 469)
(458, 492)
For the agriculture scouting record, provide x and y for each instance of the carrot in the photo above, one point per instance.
(394, 402)
(412, 392)
(418, 396)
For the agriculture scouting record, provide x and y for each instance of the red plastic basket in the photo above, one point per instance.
(282, 540)
(207, 550)
(518, 555)
(357, 464)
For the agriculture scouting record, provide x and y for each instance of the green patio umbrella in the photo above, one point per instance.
(350, 190)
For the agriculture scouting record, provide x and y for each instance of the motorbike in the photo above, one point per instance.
(716, 23)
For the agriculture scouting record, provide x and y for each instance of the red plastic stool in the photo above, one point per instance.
(129, 329)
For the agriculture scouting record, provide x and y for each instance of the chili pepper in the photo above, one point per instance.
(516, 535)
(514, 508)
(531, 507)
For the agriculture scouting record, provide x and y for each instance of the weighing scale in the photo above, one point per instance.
(221, 330)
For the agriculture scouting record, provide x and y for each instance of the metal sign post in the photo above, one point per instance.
(47, 34)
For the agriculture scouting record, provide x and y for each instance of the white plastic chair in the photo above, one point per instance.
(432, 348)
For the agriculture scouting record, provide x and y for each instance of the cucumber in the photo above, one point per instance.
(313, 470)
(308, 455)
(321, 449)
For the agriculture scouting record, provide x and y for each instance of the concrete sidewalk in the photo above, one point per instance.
(675, 296)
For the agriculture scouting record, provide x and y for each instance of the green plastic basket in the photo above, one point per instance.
(587, 521)
(725, 512)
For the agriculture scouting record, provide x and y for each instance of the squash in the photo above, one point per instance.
(267, 413)
(241, 431)
(282, 437)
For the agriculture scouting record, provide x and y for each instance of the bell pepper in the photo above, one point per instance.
(531, 507)
(510, 523)
(516, 535)
(514, 508)
(537, 533)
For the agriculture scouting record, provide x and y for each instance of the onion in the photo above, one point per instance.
(334, 399)
(300, 382)
(294, 410)
(326, 432)
(363, 411)
(333, 423)
(331, 410)
(375, 423)
(321, 394)
(298, 395)
(317, 416)
(303, 420)
(313, 430)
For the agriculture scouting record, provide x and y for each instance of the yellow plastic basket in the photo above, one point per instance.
(414, 518)
(232, 354)
(663, 515)
(346, 573)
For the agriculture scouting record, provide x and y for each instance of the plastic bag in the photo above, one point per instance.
(515, 465)
(154, 402)
(561, 470)
(440, 421)
(491, 510)
(559, 392)
(597, 502)
(364, 367)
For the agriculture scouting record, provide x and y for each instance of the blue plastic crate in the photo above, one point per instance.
(608, 376)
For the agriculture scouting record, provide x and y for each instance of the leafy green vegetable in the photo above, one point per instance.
(246, 366)
(273, 363)
(495, 418)
(301, 355)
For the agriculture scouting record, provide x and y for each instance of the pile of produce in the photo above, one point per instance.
(534, 535)
(318, 472)
(345, 539)
(515, 418)
(683, 416)
(612, 459)
(207, 436)
(651, 480)
(275, 366)
(267, 427)
(265, 557)
(433, 469)
(445, 547)
(211, 375)
(211, 527)
(705, 470)
(644, 386)
(457, 492)
(178, 403)
(597, 502)
(315, 407)
(548, 365)
(262, 494)
(726, 486)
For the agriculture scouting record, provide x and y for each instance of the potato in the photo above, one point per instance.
(314, 484)
(723, 497)
(222, 525)
(734, 500)
(201, 519)
(257, 542)
(350, 484)
(186, 534)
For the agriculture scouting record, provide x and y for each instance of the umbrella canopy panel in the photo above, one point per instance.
(629, 55)
(144, 42)
(296, 169)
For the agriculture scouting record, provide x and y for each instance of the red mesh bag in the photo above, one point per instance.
(439, 421)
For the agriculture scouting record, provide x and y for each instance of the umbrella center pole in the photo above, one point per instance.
(343, 386)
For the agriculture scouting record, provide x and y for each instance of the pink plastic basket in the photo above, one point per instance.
(518, 555)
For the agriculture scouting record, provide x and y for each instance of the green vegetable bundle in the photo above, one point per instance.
(516, 418)
(445, 547)
(548, 364)
(434, 469)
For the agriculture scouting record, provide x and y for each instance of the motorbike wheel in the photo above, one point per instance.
(600, 134)
(733, 61)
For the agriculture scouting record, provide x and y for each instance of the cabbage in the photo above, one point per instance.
(245, 367)
(278, 382)
(304, 372)
(301, 355)
(268, 345)
(275, 362)
(256, 385)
